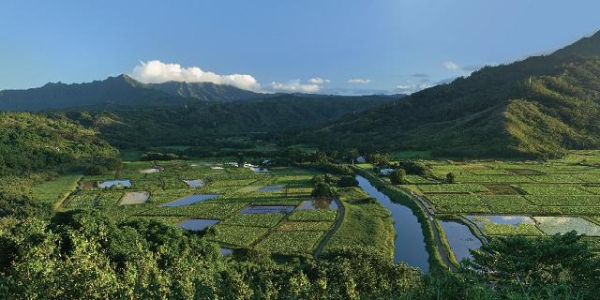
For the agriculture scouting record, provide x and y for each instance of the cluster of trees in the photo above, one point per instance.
(153, 155)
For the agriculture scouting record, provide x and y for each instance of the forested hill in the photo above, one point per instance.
(120, 90)
(538, 107)
(34, 142)
(132, 127)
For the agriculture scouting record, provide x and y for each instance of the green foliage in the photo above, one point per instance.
(367, 225)
(347, 181)
(398, 176)
(321, 190)
(209, 127)
(33, 143)
(559, 265)
(450, 178)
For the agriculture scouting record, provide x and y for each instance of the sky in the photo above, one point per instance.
(316, 46)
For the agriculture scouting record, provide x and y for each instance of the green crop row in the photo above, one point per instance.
(288, 242)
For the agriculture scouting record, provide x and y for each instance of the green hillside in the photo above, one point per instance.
(34, 142)
(205, 123)
(538, 107)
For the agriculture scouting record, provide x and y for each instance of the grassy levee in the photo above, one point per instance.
(366, 224)
(451, 256)
(435, 260)
(54, 192)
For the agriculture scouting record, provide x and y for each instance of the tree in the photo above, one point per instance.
(398, 176)
(347, 181)
(450, 178)
(321, 190)
(240, 160)
(544, 265)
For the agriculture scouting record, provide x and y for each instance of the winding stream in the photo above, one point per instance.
(410, 242)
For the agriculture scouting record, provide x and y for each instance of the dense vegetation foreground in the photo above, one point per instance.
(86, 255)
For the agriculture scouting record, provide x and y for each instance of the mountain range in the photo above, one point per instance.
(538, 107)
(119, 90)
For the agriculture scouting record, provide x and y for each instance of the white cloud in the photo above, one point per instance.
(296, 86)
(155, 71)
(359, 81)
(410, 88)
(318, 80)
(450, 65)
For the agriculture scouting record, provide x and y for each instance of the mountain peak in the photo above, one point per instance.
(585, 47)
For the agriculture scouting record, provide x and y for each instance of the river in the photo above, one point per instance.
(410, 242)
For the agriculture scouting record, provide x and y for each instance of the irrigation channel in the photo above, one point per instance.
(409, 246)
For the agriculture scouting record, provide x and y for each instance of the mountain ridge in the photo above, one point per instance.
(489, 113)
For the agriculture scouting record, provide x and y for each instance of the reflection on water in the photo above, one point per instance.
(110, 183)
(271, 188)
(267, 209)
(321, 203)
(504, 220)
(226, 251)
(460, 238)
(197, 224)
(410, 242)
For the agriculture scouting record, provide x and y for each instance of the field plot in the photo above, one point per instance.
(505, 225)
(80, 201)
(313, 215)
(55, 190)
(560, 200)
(305, 226)
(240, 236)
(522, 198)
(206, 210)
(452, 188)
(135, 198)
(255, 220)
(288, 242)
(554, 189)
(459, 204)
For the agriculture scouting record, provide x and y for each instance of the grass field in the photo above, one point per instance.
(55, 191)
(367, 224)
(556, 193)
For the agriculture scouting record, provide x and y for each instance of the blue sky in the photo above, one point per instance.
(314, 46)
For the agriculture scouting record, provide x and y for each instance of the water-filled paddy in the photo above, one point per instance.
(318, 204)
(111, 183)
(259, 170)
(197, 224)
(267, 209)
(503, 220)
(190, 200)
(554, 225)
(226, 251)
(460, 238)
(271, 188)
(194, 183)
